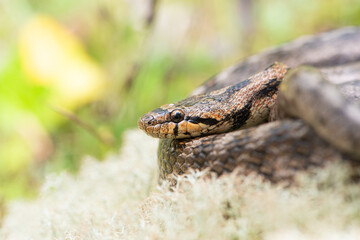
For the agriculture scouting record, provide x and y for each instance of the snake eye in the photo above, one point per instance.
(177, 115)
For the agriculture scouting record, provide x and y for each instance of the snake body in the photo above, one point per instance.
(219, 129)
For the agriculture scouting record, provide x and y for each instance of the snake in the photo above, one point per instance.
(275, 123)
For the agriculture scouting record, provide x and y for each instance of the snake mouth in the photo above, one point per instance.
(159, 123)
(154, 125)
(160, 126)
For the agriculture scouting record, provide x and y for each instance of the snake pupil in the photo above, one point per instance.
(177, 116)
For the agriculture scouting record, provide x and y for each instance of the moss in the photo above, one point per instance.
(119, 199)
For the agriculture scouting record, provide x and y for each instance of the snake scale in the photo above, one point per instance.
(312, 120)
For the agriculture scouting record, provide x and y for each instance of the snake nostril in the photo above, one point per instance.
(148, 119)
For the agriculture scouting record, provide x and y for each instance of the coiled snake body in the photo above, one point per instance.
(220, 129)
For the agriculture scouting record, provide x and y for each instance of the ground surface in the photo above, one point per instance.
(119, 199)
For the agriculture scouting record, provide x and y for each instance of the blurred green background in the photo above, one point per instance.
(75, 74)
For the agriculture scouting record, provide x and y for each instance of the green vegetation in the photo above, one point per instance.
(49, 120)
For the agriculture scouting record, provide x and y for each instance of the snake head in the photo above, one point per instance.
(188, 118)
(159, 122)
(242, 105)
(169, 121)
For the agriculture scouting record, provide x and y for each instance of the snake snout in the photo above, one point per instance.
(145, 121)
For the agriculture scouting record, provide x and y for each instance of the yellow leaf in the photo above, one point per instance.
(51, 56)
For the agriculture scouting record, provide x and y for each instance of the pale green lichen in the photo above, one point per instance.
(119, 199)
